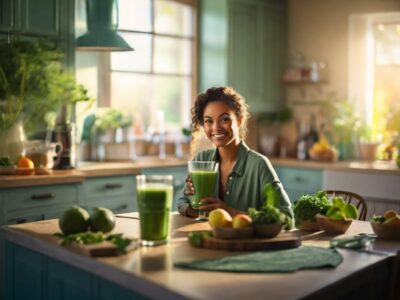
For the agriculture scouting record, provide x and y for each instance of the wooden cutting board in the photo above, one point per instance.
(282, 241)
(101, 249)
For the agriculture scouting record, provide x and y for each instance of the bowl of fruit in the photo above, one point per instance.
(338, 218)
(323, 151)
(387, 227)
(226, 227)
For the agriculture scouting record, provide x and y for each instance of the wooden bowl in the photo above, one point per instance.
(333, 226)
(386, 231)
(267, 230)
(308, 225)
(229, 233)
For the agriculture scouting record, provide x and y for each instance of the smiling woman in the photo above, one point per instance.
(243, 173)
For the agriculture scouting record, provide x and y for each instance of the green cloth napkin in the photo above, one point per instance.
(356, 242)
(304, 257)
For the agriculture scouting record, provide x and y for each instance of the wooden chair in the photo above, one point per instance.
(353, 198)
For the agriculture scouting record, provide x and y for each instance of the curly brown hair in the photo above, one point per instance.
(226, 95)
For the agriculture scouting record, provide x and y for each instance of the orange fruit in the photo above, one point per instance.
(25, 166)
(389, 214)
(25, 162)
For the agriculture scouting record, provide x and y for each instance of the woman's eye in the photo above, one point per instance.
(208, 122)
(226, 119)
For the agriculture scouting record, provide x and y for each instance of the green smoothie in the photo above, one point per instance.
(204, 186)
(154, 208)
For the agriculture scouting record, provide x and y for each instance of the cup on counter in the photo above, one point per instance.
(43, 153)
(154, 195)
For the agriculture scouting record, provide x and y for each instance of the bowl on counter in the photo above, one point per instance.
(228, 233)
(386, 231)
(308, 225)
(331, 225)
(267, 230)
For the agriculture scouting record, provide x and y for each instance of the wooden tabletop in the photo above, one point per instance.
(150, 271)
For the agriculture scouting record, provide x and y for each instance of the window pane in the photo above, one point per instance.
(134, 15)
(138, 60)
(172, 55)
(143, 95)
(173, 18)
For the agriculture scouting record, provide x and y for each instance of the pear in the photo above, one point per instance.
(219, 218)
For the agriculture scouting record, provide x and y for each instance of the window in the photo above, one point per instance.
(159, 74)
(375, 67)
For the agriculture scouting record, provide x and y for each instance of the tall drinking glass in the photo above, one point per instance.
(154, 193)
(204, 177)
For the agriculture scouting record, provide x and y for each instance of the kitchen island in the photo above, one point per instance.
(34, 266)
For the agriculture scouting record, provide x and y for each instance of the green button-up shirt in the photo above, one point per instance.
(246, 182)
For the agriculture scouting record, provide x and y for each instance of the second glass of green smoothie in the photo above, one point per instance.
(204, 176)
(154, 195)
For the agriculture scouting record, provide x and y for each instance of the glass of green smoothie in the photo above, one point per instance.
(204, 178)
(154, 195)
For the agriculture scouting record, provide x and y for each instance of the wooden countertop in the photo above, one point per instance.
(377, 167)
(150, 271)
(90, 169)
(96, 169)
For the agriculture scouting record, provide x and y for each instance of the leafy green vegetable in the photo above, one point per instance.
(378, 219)
(270, 215)
(271, 195)
(307, 206)
(5, 161)
(341, 210)
(94, 238)
(196, 237)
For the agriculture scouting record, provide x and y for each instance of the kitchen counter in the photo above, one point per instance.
(150, 271)
(90, 169)
(377, 167)
(96, 169)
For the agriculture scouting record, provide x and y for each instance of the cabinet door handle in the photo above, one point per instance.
(111, 186)
(298, 179)
(43, 196)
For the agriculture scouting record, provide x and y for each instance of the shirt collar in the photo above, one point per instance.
(240, 161)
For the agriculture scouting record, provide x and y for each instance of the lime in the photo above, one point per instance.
(74, 220)
(102, 219)
(350, 211)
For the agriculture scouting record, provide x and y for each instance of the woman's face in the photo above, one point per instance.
(221, 125)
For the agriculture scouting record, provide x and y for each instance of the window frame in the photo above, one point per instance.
(104, 59)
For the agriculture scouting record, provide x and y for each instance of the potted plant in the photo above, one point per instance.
(32, 85)
(368, 144)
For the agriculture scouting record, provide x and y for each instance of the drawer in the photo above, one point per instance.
(117, 205)
(300, 179)
(41, 196)
(107, 187)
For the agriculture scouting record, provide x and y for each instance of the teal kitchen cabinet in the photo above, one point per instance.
(26, 274)
(243, 45)
(28, 204)
(179, 174)
(299, 181)
(52, 20)
(117, 193)
(5, 15)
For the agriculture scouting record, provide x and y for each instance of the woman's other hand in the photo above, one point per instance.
(209, 204)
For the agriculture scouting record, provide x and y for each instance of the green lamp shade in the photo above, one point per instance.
(102, 40)
(102, 20)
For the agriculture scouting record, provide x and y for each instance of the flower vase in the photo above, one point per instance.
(12, 142)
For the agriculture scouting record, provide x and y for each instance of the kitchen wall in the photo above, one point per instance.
(319, 30)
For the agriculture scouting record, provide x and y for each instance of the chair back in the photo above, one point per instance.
(353, 198)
